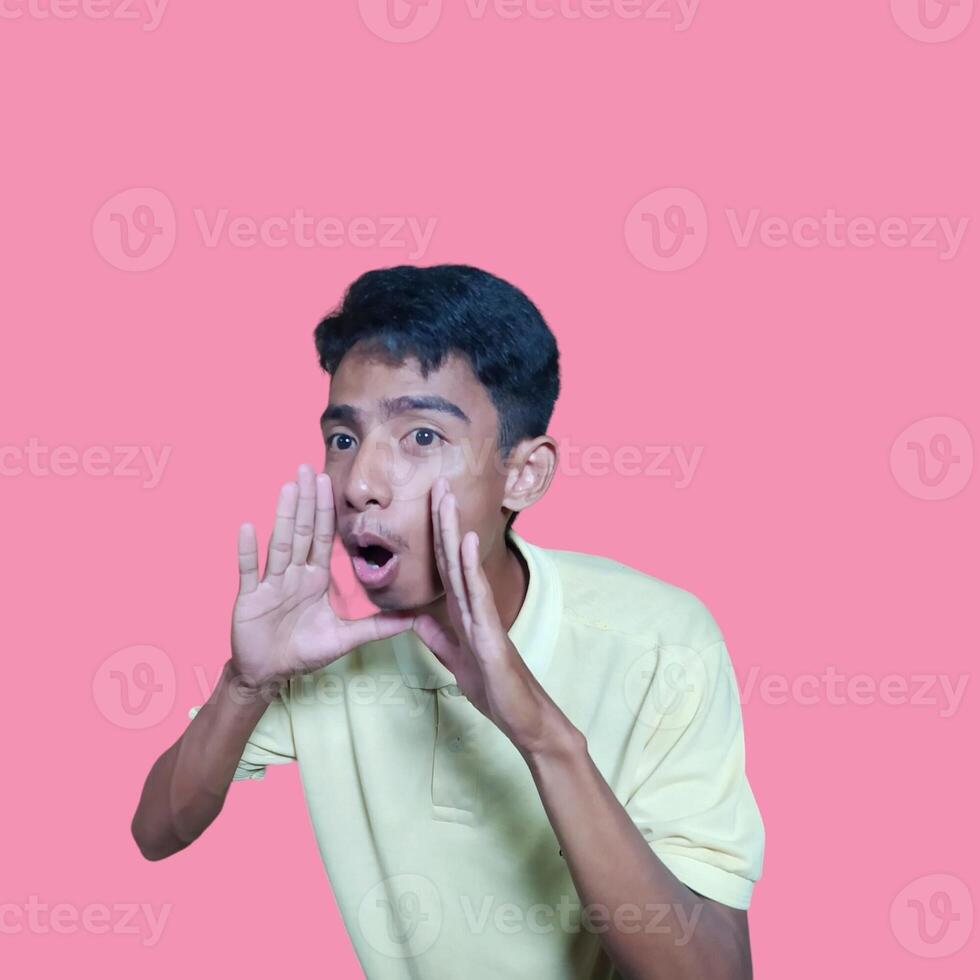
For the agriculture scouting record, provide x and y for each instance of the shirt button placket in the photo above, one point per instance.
(454, 782)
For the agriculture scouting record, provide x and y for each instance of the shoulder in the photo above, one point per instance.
(606, 594)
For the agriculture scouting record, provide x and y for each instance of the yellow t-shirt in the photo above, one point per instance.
(432, 833)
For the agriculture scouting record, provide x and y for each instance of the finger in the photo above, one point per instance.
(281, 539)
(323, 525)
(486, 619)
(449, 528)
(440, 492)
(303, 530)
(248, 559)
(377, 627)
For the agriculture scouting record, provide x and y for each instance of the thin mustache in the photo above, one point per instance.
(380, 530)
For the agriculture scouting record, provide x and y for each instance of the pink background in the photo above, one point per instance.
(539, 147)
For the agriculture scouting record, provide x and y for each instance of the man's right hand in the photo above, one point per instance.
(284, 624)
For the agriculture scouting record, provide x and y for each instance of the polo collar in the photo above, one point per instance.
(534, 632)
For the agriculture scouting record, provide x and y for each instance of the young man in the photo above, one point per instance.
(529, 762)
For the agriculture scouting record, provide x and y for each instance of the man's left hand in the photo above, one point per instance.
(487, 666)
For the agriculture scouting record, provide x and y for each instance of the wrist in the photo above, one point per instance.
(245, 689)
(561, 742)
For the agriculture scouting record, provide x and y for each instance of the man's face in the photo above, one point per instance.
(388, 435)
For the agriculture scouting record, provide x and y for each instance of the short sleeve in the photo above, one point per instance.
(690, 796)
(270, 744)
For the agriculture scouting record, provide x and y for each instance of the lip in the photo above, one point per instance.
(375, 578)
(361, 539)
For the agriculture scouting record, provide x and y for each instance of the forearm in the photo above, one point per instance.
(651, 924)
(186, 788)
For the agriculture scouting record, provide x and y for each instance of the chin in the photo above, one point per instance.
(399, 602)
(391, 604)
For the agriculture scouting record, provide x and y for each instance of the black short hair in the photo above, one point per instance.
(428, 312)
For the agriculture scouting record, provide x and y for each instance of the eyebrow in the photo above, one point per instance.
(391, 407)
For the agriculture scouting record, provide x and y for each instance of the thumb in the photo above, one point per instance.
(380, 626)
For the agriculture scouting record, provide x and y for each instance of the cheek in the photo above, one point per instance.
(412, 480)
(421, 582)
(476, 506)
(338, 480)
(333, 468)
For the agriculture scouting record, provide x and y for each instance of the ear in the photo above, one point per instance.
(530, 468)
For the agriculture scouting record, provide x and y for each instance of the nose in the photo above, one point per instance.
(369, 481)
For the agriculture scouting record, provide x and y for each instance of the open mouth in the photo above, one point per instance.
(375, 555)
(375, 565)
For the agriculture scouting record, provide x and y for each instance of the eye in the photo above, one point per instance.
(340, 435)
(424, 439)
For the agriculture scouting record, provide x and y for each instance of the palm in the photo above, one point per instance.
(285, 624)
(291, 621)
